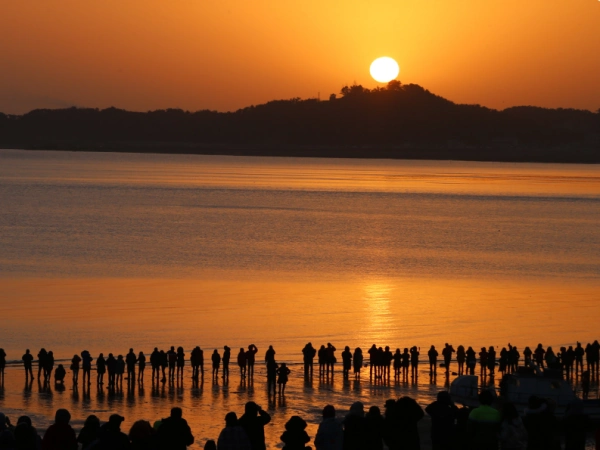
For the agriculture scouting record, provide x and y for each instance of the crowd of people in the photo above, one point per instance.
(452, 428)
(382, 362)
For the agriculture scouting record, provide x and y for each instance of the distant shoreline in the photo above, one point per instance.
(501, 154)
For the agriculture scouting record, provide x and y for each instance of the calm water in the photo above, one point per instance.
(108, 251)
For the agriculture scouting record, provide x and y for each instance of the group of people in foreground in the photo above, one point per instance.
(452, 428)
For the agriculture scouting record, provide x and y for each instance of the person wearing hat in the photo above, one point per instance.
(60, 435)
(110, 435)
(295, 436)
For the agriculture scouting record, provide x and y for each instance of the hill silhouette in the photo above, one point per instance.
(398, 121)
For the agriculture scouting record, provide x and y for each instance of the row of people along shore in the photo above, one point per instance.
(170, 364)
(452, 428)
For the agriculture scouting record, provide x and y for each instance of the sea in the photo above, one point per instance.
(111, 251)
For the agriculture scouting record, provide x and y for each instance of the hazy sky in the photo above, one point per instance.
(227, 54)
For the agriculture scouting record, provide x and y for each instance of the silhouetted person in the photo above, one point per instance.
(579, 353)
(551, 359)
(75, 365)
(357, 360)
(443, 417)
(330, 435)
(60, 435)
(131, 360)
(250, 359)
(471, 361)
(111, 367)
(42, 355)
(346, 362)
(539, 354)
(119, 370)
(295, 436)
(233, 436)
(164, 363)
(387, 361)
(210, 445)
(331, 359)
(503, 360)
(283, 373)
(372, 360)
(27, 363)
(540, 424)
(355, 428)
(142, 436)
(216, 362)
(483, 361)
(322, 358)
(491, 360)
(272, 377)
(155, 363)
(432, 354)
(110, 436)
(461, 357)
(513, 435)
(397, 358)
(447, 354)
(408, 415)
(2, 363)
(174, 432)
(484, 423)
(49, 366)
(195, 363)
(414, 362)
(270, 354)
(405, 363)
(225, 360)
(86, 366)
(242, 362)
(308, 356)
(374, 429)
(141, 359)
(100, 369)
(26, 436)
(527, 356)
(59, 374)
(180, 363)
(172, 359)
(253, 422)
(575, 425)
(89, 432)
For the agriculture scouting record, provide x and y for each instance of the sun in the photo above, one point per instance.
(384, 69)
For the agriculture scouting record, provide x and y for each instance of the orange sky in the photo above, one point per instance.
(227, 54)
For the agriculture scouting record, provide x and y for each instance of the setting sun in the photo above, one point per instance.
(384, 69)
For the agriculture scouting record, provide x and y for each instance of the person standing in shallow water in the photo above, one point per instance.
(226, 358)
(155, 363)
(270, 354)
(308, 353)
(250, 359)
(111, 367)
(432, 354)
(357, 360)
(27, 363)
(2, 364)
(42, 355)
(282, 377)
(346, 362)
(141, 366)
(100, 369)
(447, 354)
(180, 363)
(242, 361)
(414, 362)
(172, 360)
(130, 360)
(75, 361)
(216, 362)
(460, 359)
(86, 364)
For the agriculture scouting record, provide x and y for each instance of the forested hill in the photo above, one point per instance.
(399, 121)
